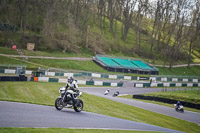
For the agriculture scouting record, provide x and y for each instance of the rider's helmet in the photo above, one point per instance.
(70, 79)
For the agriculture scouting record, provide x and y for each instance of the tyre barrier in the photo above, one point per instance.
(166, 100)
(13, 78)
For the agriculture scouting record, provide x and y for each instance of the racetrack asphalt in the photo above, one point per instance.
(99, 91)
(14, 114)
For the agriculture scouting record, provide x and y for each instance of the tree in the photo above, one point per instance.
(142, 10)
(194, 30)
(128, 8)
(181, 13)
(101, 13)
(22, 10)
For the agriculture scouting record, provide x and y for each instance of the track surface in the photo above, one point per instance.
(29, 115)
(99, 91)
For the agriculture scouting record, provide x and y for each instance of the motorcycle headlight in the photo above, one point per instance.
(62, 90)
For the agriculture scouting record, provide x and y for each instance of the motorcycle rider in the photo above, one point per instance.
(72, 84)
(178, 104)
(107, 91)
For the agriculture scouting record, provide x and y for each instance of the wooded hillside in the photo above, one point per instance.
(167, 30)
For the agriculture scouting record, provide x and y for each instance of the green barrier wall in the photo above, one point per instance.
(160, 85)
(87, 74)
(172, 84)
(158, 78)
(78, 74)
(146, 85)
(106, 84)
(89, 82)
(180, 79)
(119, 84)
(104, 76)
(195, 85)
(190, 80)
(184, 85)
(120, 77)
(32, 78)
(53, 80)
(169, 79)
(134, 78)
(2, 71)
(59, 74)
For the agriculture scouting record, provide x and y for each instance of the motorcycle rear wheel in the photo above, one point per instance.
(78, 106)
(59, 104)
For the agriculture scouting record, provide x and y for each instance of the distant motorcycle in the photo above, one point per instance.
(179, 108)
(68, 98)
(116, 94)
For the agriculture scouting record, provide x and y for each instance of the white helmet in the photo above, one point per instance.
(70, 79)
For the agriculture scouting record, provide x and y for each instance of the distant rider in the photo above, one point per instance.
(178, 104)
(107, 91)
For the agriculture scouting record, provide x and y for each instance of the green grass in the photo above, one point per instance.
(70, 64)
(184, 71)
(64, 130)
(186, 95)
(159, 103)
(10, 51)
(196, 59)
(5, 50)
(57, 53)
(46, 93)
(16, 61)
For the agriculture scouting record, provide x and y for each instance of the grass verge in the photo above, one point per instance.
(187, 95)
(15, 61)
(183, 71)
(64, 130)
(5, 50)
(46, 93)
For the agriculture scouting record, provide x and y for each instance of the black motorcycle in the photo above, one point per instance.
(116, 94)
(68, 98)
(179, 108)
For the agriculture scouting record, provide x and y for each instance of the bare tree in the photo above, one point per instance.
(180, 21)
(143, 6)
(128, 10)
(194, 29)
(22, 10)
(101, 12)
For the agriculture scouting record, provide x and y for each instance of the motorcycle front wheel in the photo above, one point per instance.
(182, 110)
(59, 104)
(78, 106)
